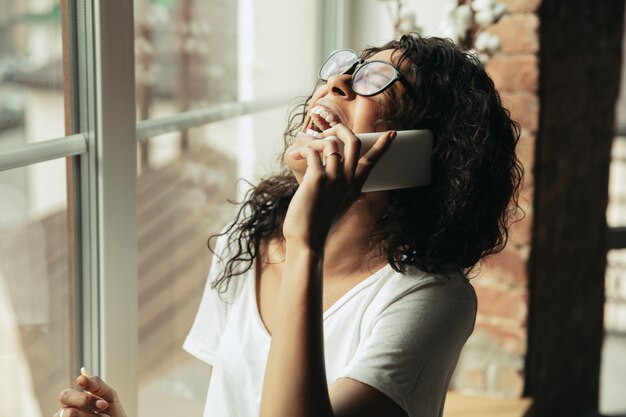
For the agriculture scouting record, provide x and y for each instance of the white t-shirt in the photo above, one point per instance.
(399, 333)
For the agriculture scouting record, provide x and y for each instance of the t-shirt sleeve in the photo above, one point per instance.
(414, 345)
(208, 326)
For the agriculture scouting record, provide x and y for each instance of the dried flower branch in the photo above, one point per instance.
(466, 24)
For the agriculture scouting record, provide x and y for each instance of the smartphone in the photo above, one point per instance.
(405, 164)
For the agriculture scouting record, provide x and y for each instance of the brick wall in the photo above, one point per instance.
(492, 362)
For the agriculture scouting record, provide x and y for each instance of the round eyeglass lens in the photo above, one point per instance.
(338, 63)
(372, 77)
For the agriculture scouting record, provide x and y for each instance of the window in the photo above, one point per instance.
(210, 91)
(62, 238)
(187, 175)
(612, 370)
(35, 288)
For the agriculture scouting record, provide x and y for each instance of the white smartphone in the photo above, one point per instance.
(405, 164)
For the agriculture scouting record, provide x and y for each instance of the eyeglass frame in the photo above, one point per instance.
(360, 63)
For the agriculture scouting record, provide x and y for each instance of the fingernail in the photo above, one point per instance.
(83, 372)
(393, 135)
(102, 404)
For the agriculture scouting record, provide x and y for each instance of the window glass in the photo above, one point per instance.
(615, 305)
(612, 382)
(616, 211)
(36, 337)
(239, 51)
(613, 367)
(31, 71)
(185, 55)
(180, 203)
(183, 200)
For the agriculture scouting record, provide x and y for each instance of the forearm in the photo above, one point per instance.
(295, 378)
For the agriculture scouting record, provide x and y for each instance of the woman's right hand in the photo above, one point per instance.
(97, 398)
(329, 187)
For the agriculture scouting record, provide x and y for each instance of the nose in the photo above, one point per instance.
(341, 85)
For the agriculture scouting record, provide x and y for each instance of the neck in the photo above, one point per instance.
(348, 247)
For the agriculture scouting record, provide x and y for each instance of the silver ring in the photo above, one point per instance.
(333, 153)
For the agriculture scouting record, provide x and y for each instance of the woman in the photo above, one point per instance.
(325, 301)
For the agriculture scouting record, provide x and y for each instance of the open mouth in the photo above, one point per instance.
(321, 120)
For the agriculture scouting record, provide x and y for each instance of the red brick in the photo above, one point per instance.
(520, 232)
(514, 72)
(526, 151)
(510, 304)
(505, 270)
(526, 195)
(524, 108)
(517, 33)
(527, 190)
(521, 6)
(526, 154)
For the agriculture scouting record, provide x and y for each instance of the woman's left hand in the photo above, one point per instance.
(97, 399)
(333, 180)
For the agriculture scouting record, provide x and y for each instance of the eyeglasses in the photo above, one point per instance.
(368, 77)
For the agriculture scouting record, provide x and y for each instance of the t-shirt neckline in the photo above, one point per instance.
(332, 309)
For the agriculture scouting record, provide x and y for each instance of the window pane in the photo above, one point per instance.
(182, 200)
(616, 211)
(192, 54)
(180, 204)
(613, 369)
(31, 71)
(221, 51)
(612, 382)
(35, 313)
(185, 55)
(615, 305)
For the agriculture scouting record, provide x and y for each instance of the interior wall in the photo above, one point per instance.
(368, 22)
(278, 58)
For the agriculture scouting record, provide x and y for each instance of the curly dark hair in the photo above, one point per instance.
(463, 215)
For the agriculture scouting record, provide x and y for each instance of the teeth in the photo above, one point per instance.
(312, 133)
(326, 114)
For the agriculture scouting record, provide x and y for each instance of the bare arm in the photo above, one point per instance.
(295, 380)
